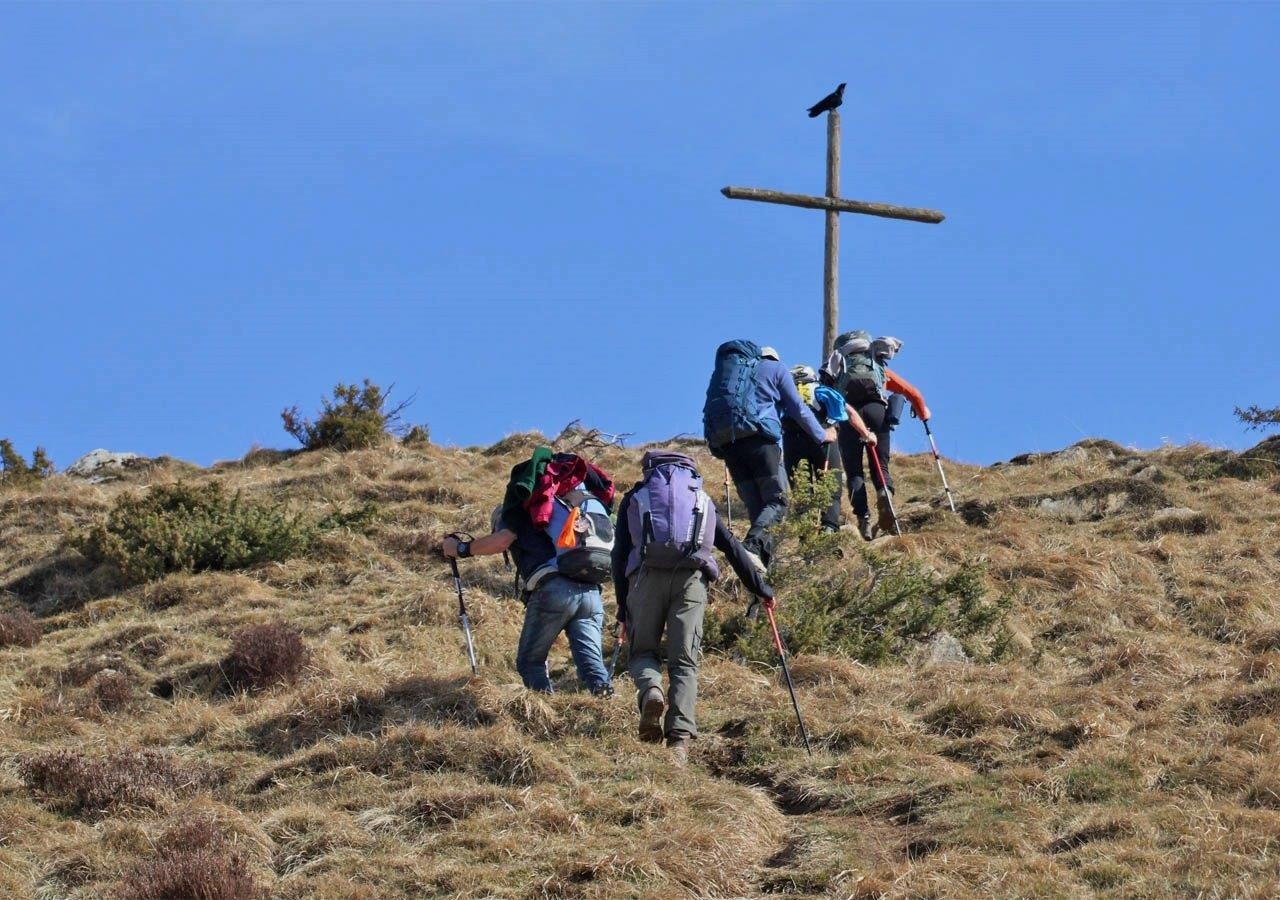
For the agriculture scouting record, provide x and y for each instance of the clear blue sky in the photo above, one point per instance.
(512, 210)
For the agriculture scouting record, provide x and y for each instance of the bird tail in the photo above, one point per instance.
(813, 112)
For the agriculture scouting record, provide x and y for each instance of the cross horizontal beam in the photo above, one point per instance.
(835, 204)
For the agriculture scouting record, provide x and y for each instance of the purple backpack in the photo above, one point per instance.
(671, 518)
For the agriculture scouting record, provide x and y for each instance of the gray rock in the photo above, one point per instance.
(1073, 454)
(102, 465)
(943, 650)
(1084, 509)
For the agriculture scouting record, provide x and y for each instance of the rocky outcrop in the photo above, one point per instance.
(104, 465)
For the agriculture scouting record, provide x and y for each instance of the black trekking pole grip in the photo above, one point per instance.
(786, 674)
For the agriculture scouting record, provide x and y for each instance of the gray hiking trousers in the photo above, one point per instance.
(675, 601)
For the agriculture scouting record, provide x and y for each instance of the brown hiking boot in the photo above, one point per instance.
(652, 706)
(679, 747)
(887, 523)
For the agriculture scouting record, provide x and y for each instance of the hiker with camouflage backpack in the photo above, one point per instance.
(555, 522)
(857, 368)
(831, 410)
(749, 392)
(662, 564)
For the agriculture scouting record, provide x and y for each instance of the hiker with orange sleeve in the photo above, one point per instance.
(857, 368)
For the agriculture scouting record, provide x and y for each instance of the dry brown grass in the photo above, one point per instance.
(1126, 744)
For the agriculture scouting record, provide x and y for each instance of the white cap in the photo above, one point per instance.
(770, 353)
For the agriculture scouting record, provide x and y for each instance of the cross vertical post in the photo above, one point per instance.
(831, 245)
(833, 204)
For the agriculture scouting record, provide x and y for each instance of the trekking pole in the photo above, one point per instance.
(786, 673)
(933, 445)
(620, 638)
(728, 501)
(462, 613)
(873, 451)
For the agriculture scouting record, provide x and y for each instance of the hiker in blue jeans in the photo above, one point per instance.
(576, 609)
(559, 584)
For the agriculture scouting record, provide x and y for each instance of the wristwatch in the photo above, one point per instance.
(464, 549)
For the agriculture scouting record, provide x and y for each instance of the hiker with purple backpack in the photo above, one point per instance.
(662, 564)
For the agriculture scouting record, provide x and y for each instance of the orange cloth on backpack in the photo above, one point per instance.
(568, 536)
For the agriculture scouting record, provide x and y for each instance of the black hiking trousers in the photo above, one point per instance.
(755, 465)
(851, 447)
(798, 447)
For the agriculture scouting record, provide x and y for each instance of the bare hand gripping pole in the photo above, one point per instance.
(786, 673)
(619, 639)
(937, 460)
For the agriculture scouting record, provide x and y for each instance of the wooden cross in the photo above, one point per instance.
(833, 204)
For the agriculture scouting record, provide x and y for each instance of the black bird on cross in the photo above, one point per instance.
(827, 103)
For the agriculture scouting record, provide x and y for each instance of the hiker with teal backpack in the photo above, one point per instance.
(555, 523)
(831, 410)
(749, 392)
(857, 367)
(662, 565)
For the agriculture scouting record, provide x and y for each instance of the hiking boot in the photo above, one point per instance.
(603, 690)
(866, 529)
(828, 528)
(887, 523)
(652, 706)
(679, 747)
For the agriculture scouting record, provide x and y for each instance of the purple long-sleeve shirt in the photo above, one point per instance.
(776, 393)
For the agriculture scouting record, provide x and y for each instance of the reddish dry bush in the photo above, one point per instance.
(263, 655)
(201, 874)
(111, 690)
(78, 783)
(193, 859)
(18, 628)
(192, 834)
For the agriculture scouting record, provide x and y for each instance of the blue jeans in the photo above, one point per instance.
(574, 608)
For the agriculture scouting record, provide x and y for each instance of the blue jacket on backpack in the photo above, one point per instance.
(735, 409)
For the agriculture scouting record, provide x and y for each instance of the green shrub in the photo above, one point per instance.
(15, 471)
(359, 519)
(1260, 461)
(185, 528)
(873, 621)
(355, 419)
(1257, 417)
(873, 612)
(417, 436)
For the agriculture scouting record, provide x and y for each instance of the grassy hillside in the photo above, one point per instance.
(1116, 734)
